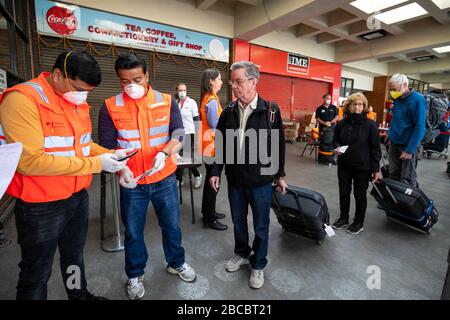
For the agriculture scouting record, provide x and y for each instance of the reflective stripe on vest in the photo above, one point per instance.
(39, 90)
(128, 134)
(123, 144)
(62, 153)
(158, 96)
(85, 138)
(57, 142)
(2, 136)
(119, 100)
(157, 141)
(158, 130)
(86, 151)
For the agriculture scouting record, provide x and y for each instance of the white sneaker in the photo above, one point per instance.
(198, 181)
(256, 279)
(185, 272)
(235, 263)
(135, 288)
(178, 183)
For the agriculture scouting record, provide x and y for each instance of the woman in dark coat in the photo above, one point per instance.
(359, 163)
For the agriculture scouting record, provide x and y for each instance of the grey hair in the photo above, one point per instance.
(251, 69)
(399, 79)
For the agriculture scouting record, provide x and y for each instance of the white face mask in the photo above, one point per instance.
(134, 91)
(328, 101)
(182, 95)
(76, 97)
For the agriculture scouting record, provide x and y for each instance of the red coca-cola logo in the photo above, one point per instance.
(62, 20)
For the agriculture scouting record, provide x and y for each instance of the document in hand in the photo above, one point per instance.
(342, 149)
(9, 158)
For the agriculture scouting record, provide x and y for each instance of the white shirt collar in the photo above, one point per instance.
(253, 103)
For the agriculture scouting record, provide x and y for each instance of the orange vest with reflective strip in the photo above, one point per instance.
(67, 132)
(143, 124)
(206, 134)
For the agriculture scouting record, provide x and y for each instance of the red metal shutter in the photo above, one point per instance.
(277, 89)
(307, 95)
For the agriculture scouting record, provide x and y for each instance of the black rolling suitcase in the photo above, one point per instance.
(302, 211)
(405, 203)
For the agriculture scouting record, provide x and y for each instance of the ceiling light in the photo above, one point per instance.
(370, 6)
(409, 11)
(442, 4)
(373, 35)
(442, 49)
(424, 58)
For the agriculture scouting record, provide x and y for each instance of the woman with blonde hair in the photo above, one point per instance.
(359, 163)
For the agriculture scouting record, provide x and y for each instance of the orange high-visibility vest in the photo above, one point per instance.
(372, 115)
(206, 134)
(67, 132)
(143, 124)
(340, 113)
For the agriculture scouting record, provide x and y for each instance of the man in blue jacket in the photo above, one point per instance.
(407, 129)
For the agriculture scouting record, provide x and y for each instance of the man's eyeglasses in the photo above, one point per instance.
(238, 81)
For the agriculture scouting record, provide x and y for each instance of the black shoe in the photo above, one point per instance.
(334, 163)
(355, 228)
(340, 223)
(220, 215)
(216, 225)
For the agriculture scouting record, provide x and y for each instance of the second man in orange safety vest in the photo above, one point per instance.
(150, 122)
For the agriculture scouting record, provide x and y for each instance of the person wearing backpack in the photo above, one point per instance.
(249, 167)
(407, 129)
(436, 114)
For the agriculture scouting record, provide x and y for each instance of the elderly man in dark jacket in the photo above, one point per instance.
(250, 137)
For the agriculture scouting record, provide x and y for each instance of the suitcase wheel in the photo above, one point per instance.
(319, 242)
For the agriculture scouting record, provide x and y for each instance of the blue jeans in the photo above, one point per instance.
(134, 207)
(259, 200)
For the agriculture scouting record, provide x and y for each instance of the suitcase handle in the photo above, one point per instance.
(391, 195)
(376, 189)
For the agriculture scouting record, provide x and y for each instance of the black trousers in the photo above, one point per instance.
(360, 179)
(195, 172)
(209, 199)
(41, 229)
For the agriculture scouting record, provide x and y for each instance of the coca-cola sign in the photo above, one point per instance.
(62, 20)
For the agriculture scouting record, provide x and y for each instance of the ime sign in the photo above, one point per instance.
(297, 64)
(62, 20)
